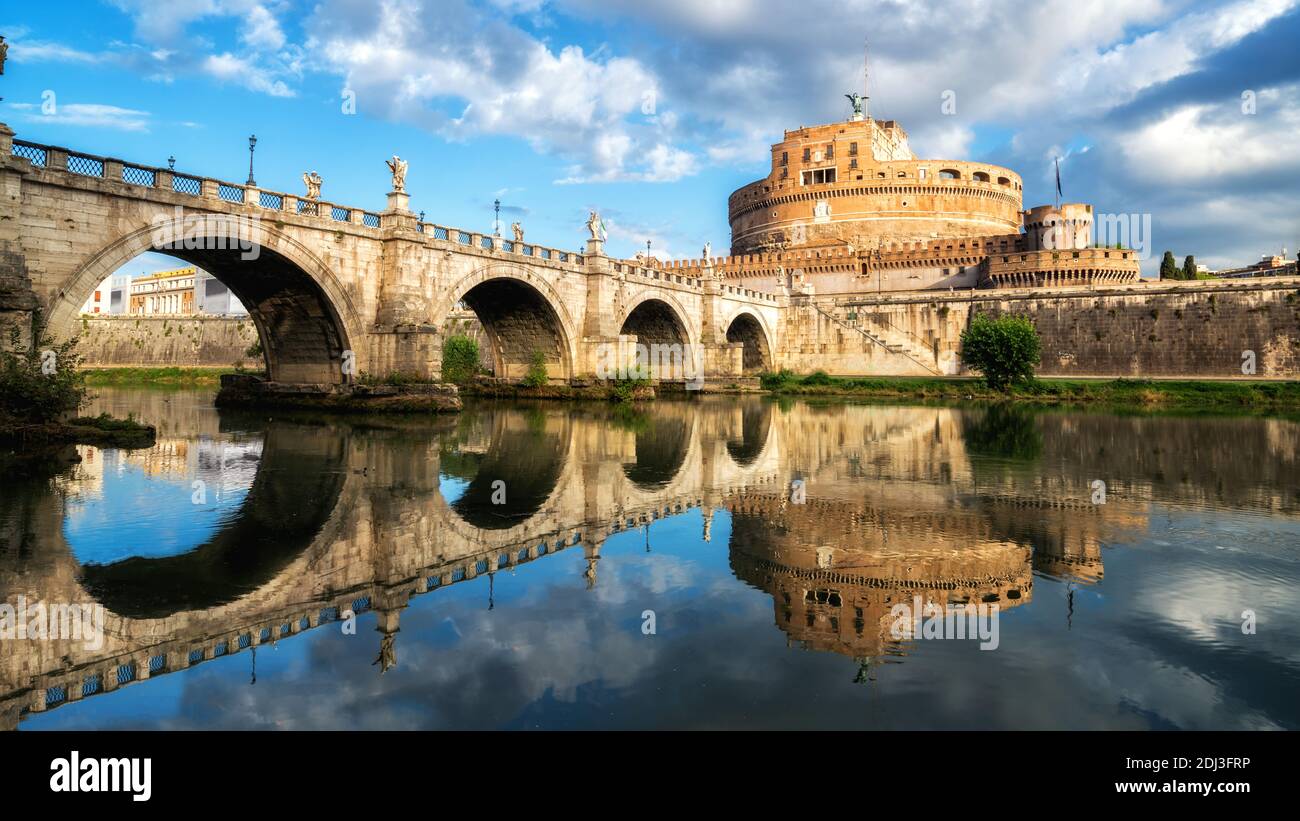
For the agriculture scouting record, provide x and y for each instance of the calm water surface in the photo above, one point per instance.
(567, 566)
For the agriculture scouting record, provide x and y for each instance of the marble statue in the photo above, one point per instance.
(597, 227)
(313, 182)
(398, 166)
(518, 231)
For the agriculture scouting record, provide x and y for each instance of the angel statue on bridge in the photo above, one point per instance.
(597, 227)
(518, 231)
(4, 52)
(398, 166)
(313, 182)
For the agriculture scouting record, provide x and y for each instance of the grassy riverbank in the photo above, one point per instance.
(1149, 393)
(140, 377)
(103, 430)
(1134, 392)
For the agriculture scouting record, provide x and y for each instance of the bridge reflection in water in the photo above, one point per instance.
(947, 505)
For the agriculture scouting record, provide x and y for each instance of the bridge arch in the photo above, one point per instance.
(521, 313)
(303, 314)
(253, 552)
(657, 317)
(748, 328)
(515, 477)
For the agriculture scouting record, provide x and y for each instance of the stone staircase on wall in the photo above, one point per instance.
(893, 340)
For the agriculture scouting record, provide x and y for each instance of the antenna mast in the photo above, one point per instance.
(866, 82)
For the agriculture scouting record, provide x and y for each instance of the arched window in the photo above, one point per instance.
(949, 174)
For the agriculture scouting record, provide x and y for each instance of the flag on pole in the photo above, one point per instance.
(1058, 178)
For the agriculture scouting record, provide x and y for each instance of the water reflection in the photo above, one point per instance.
(583, 519)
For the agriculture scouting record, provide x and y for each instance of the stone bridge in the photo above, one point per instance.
(338, 292)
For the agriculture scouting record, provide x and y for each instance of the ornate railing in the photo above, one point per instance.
(34, 154)
(139, 175)
(182, 184)
(89, 165)
(230, 193)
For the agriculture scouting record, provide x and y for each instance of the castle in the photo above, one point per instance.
(848, 208)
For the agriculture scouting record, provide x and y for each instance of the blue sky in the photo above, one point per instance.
(654, 112)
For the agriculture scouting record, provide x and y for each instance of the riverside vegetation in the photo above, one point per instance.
(41, 389)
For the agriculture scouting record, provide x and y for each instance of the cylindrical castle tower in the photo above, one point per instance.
(1053, 228)
(858, 182)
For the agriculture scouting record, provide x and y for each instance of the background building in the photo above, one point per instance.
(185, 291)
(164, 292)
(211, 296)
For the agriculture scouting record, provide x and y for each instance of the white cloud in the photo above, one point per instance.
(1198, 144)
(262, 31)
(229, 68)
(36, 51)
(94, 115)
(462, 75)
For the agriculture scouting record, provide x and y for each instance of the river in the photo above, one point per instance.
(735, 562)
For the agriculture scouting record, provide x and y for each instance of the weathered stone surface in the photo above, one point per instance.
(181, 341)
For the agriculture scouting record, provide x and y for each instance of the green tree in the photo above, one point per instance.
(1004, 350)
(42, 382)
(537, 375)
(1189, 267)
(460, 359)
(1168, 267)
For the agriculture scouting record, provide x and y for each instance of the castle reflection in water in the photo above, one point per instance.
(949, 505)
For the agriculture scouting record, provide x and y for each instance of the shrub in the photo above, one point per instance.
(537, 376)
(623, 390)
(1003, 350)
(817, 377)
(28, 392)
(774, 380)
(460, 358)
(254, 351)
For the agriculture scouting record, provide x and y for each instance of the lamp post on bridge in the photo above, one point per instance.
(496, 220)
(252, 143)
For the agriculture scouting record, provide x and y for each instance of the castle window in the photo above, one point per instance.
(853, 163)
(1003, 181)
(949, 174)
(819, 176)
(980, 176)
(830, 151)
(807, 155)
(785, 158)
(853, 149)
